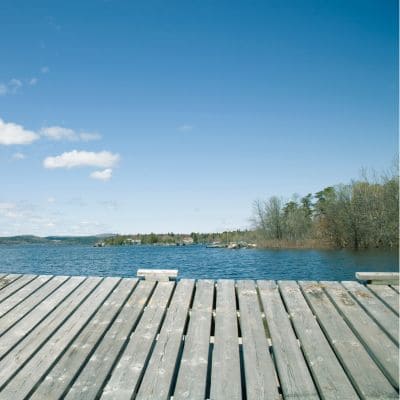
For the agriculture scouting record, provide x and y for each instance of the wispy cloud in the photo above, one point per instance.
(44, 70)
(33, 81)
(18, 156)
(111, 205)
(9, 210)
(14, 85)
(104, 175)
(11, 134)
(75, 158)
(185, 128)
(11, 87)
(59, 133)
(21, 217)
(88, 136)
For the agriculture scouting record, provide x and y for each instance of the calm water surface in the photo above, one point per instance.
(195, 261)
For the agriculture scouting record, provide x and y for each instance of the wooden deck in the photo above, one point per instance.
(111, 338)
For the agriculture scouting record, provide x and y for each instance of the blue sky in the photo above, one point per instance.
(140, 116)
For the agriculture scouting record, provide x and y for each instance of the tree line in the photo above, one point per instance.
(361, 214)
(179, 238)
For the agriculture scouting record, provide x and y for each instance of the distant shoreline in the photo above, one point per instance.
(235, 240)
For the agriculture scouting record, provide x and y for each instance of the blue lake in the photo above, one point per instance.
(195, 261)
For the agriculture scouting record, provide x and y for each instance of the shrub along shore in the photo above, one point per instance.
(361, 214)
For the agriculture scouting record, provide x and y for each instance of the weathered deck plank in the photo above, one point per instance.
(295, 378)
(365, 375)
(386, 319)
(7, 279)
(156, 383)
(192, 376)
(12, 361)
(14, 286)
(330, 378)
(13, 334)
(225, 372)
(387, 295)
(23, 294)
(18, 311)
(59, 378)
(379, 345)
(37, 366)
(121, 338)
(260, 375)
(395, 287)
(125, 377)
(91, 379)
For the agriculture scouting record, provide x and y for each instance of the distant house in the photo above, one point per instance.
(187, 240)
(133, 241)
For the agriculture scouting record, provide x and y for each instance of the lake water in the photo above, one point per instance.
(195, 261)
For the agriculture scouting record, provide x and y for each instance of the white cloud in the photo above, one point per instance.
(44, 70)
(11, 87)
(75, 158)
(18, 156)
(104, 175)
(185, 128)
(11, 133)
(60, 133)
(51, 200)
(33, 81)
(14, 85)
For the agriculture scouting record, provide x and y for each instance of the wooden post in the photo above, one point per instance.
(379, 278)
(157, 274)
